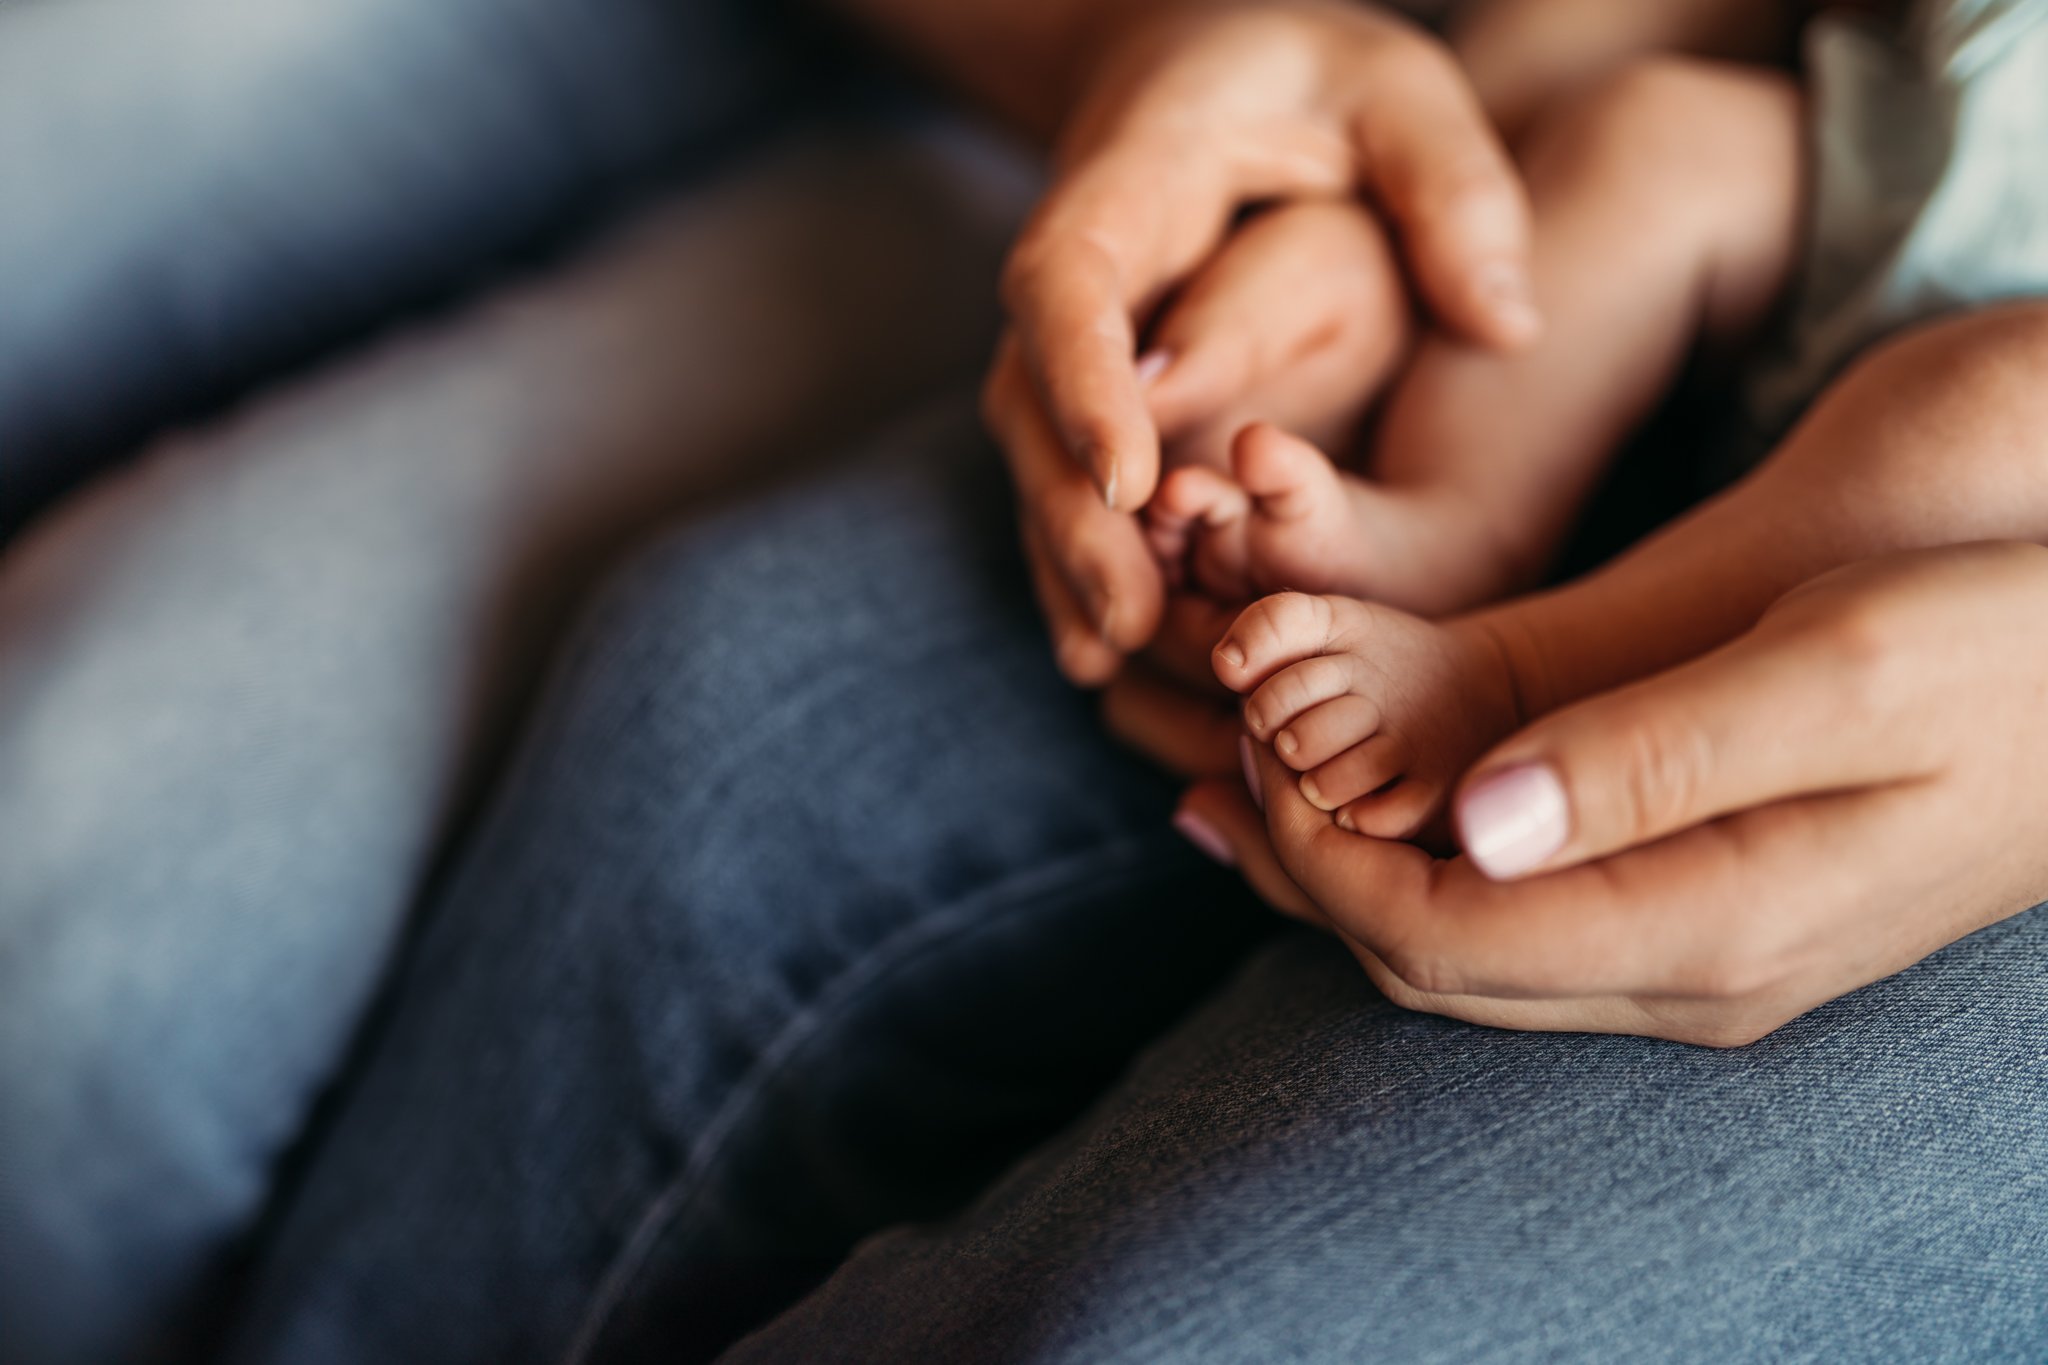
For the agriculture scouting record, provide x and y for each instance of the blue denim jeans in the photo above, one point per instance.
(207, 193)
(814, 895)
(252, 678)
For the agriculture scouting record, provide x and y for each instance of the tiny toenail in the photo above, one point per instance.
(1313, 793)
(1286, 743)
(1231, 653)
(1345, 822)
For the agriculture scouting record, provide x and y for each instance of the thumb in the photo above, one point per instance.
(1755, 722)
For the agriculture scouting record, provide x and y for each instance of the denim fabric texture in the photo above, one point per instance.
(1305, 1173)
(757, 1015)
(807, 976)
(814, 898)
(205, 193)
(252, 678)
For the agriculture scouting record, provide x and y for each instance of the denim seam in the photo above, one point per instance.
(982, 909)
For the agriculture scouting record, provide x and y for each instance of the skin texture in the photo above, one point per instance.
(1666, 201)
(1190, 117)
(1795, 740)
(1729, 861)
(1901, 716)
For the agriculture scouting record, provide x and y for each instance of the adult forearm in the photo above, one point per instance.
(1024, 60)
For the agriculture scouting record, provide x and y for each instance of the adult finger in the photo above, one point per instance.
(1431, 159)
(1078, 278)
(1146, 203)
(1193, 624)
(1758, 721)
(1100, 556)
(1079, 649)
(1700, 915)
(1221, 819)
(1218, 817)
(1188, 735)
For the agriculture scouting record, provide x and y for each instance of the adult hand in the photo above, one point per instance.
(1193, 116)
(1712, 852)
(1168, 705)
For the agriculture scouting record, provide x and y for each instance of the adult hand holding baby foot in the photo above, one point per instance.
(1193, 114)
(1712, 852)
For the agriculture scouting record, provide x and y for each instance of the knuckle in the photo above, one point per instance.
(1744, 965)
(1460, 190)
(1424, 976)
(1666, 770)
(1025, 270)
(1073, 546)
(1869, 651)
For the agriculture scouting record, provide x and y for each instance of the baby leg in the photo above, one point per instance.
(1935, 439)
(1666, 212)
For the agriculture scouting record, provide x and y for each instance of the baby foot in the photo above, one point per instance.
(1286, 517)
(1380, 712)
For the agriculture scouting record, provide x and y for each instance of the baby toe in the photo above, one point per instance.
(1295, 690)
(1272, 633)
(1357, 772)
(1402, 811)
(1322, 732)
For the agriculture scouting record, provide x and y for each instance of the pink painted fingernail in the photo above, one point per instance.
(1515, 820)
(1151, 365)
(1203, 835)
(1251, 772)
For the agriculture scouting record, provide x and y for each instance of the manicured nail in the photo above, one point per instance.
(1203, 835)
(1151, 365)
(1505, 290)
(1515, 820)
(1251, 772)
(1231, 653)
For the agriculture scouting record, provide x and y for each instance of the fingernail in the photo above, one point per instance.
(1515, 820)
(1345, 822)
(1251, 772)
(1151, 365)
(1203, 835)
(1231, 653)
(1508, 295)
(1312, 793)
(1109, 490)
(1286, 743)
